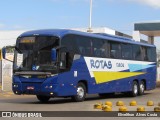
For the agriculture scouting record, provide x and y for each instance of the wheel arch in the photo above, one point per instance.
(136, 80)
(85, 83)
(144, 80)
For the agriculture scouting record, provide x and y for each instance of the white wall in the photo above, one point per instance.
(158, 73)
(9, 37)
(7, 68)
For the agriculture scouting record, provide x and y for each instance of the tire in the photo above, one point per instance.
(141, 88)
(43, 99)
(81, 93)
(135, 88)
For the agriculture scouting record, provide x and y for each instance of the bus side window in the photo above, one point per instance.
(137, 52)
(99, 48)
(84, 45)
(115, 50)
(82, 50)
(126, 51)
(151, 53)
(144, 54)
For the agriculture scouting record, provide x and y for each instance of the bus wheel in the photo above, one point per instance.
(43, 98)
(135, 87)
(141, 88)
(81, 93)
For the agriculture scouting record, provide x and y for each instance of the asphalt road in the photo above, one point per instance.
(11, 102)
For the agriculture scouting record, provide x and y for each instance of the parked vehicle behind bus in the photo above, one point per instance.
(67, 63)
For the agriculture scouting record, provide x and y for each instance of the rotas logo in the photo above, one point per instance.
(100, 64)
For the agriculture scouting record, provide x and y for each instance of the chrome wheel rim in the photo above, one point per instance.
(80, 92)
(135, 89)
(142, 88)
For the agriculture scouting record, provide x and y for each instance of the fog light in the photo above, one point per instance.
(51, 93)
(16, 92)
(15, 85)
(50, 86)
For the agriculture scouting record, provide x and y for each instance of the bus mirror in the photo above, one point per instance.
(54, 54)
(4, 53)
(8, 53)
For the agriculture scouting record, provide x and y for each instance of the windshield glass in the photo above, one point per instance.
(34, 53)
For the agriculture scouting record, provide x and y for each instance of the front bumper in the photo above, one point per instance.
(34, 89)
(35, 86)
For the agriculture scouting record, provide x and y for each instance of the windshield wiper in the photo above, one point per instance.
(17, 49)
(32, 73)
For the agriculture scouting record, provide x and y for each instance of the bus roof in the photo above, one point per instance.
(62, 32)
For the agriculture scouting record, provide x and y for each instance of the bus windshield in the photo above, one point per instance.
(34, 53)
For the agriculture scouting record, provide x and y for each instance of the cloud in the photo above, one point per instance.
(8, 37)
(152, 3)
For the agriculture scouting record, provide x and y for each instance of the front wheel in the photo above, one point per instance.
(81, 93)
(43, 98)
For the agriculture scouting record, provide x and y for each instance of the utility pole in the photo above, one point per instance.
(90, 18)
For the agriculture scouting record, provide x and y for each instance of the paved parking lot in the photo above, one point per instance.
(11, 102)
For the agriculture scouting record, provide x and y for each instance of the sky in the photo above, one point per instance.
(23, 15)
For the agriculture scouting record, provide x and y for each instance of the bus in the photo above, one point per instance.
(7, 52)
(66, 63)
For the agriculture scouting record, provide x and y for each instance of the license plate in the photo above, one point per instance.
(30, 88)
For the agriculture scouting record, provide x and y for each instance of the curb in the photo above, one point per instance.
(6, 93)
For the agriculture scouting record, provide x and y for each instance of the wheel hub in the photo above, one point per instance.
(135, 89)
(80, 92)
(142, 87)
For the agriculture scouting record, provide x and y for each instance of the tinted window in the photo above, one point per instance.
(126, 51)
(151, 53)
(99, 48)
(115, 51)
(69, 44)
(136, 52)
(84, 45)
(144, 54)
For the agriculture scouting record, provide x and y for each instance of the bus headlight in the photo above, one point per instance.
(15, 86)
(50, 87)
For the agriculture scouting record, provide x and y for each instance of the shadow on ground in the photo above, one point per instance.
(66, 100)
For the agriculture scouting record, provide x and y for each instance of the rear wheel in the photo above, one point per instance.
(141, 88)
(135, 87)
(43, 98)
(81, 93)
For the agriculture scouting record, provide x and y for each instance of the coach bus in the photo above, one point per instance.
(66, 63)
